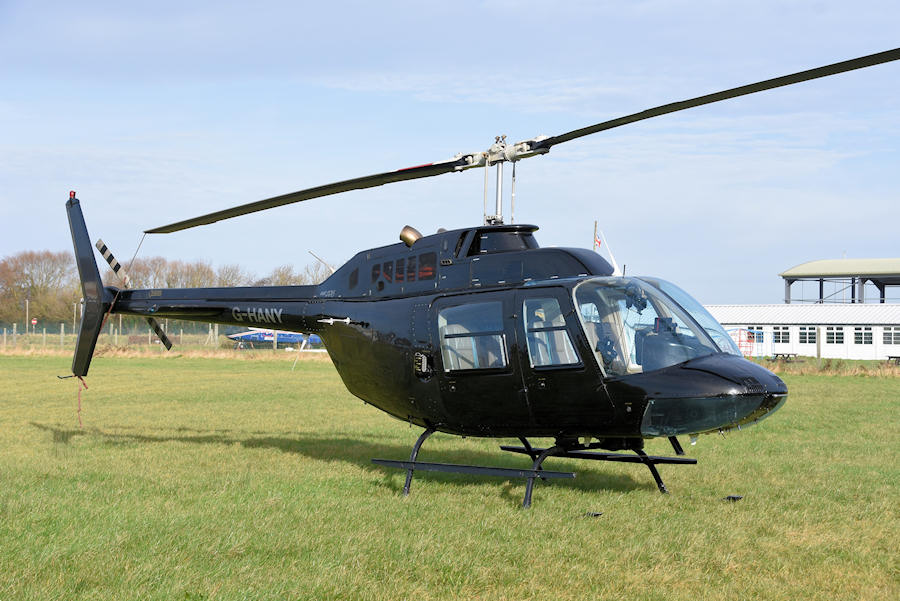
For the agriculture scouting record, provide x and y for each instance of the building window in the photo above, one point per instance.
(862, 335)
(781, 334)
(756, 334)
(545, 334)
(834, 335)
(807, 334)
(472, 336)
(889, 338)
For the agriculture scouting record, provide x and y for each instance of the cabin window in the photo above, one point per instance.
(411, 270)
(388, 271)
(892, 339)
(781, 335)
(376, 272)
(459, 243)
(354, 278)
(427, 266)
(545, 334)
(834, 335)
(472, 336)
(495, 242)
(862, 335)
(400, 273)
(807, 334)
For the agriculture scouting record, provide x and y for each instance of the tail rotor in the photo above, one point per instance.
(126, 283)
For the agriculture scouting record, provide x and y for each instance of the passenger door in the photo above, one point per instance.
(480, 382)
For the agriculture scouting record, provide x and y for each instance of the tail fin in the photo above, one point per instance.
(96, 298)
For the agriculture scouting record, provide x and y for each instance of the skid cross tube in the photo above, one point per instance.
(640, 457)
(537, 456)
(529, 486)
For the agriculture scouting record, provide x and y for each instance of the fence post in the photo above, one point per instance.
(4, 339)
(62, 334)
(15, 325)
(44, 339)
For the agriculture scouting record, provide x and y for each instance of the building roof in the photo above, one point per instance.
(878, 268)
(807, 314)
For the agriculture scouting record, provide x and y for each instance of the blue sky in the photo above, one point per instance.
(156, 112)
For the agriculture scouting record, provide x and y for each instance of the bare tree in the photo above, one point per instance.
(233, 275)
(48, 280)
(285, 275)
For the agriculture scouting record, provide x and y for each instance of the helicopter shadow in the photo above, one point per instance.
(360, 452)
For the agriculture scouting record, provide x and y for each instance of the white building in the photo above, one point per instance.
(839, 331)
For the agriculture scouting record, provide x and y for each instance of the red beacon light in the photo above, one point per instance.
(71, 194)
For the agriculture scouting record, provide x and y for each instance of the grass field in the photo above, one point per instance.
(214, 478)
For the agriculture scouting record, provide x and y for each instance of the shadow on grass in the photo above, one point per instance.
(361, 451)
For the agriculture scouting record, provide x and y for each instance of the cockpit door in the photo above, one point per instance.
(563, 385)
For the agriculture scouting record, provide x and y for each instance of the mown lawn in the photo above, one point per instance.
(212, 478)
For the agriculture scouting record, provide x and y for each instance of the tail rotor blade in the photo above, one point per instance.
(126, 282)
(113, 263)
(160, 333)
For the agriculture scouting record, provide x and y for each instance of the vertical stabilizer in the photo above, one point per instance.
(96, 298)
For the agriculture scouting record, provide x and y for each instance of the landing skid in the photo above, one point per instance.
(537, 456)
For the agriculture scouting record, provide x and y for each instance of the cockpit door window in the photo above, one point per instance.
(546, 336)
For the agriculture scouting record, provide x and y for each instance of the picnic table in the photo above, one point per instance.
(786, 357)
(895, 359)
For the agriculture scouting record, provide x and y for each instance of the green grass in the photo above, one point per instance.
(214, 478)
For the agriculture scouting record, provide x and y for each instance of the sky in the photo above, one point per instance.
(160, 111)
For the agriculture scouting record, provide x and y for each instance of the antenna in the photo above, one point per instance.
(322, 261)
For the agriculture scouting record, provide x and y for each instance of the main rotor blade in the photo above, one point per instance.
(786, 80)
(524, 149)
(368, 181)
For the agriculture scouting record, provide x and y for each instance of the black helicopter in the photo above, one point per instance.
(480, 332)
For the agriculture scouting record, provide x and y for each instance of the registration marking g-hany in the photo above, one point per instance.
(257, 315)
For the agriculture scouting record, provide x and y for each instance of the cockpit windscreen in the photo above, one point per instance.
(633, 327)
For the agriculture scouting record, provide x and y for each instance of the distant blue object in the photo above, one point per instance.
(262, 336)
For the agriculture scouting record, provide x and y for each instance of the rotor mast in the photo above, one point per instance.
(500, 152)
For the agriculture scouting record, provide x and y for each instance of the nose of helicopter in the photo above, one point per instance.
(737, 393)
